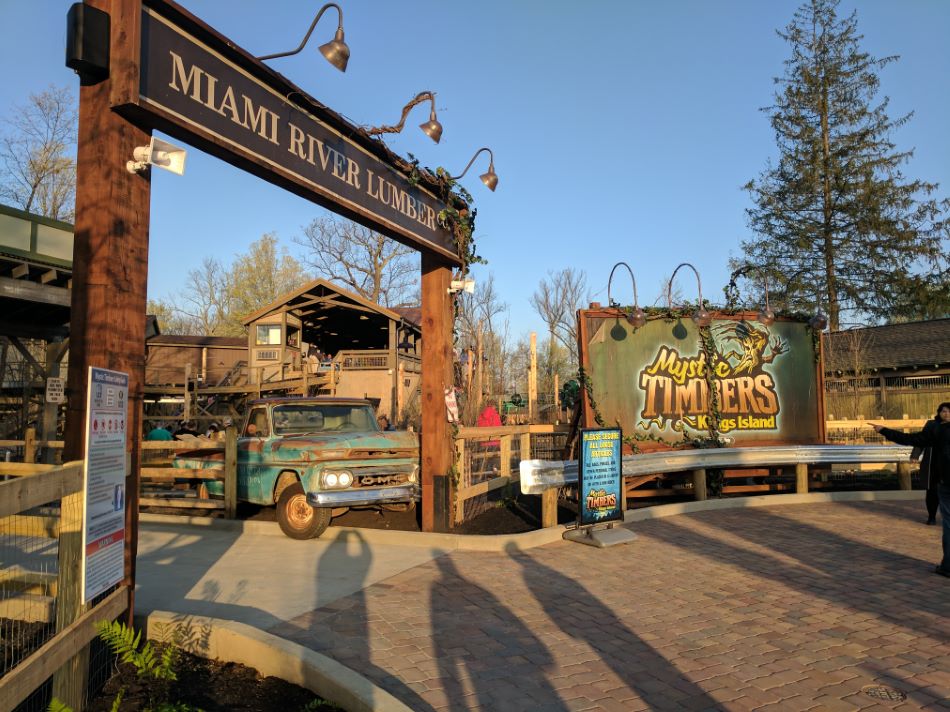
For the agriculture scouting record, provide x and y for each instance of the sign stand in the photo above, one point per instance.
(600, 490)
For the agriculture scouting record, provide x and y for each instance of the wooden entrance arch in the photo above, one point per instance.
(168, 70)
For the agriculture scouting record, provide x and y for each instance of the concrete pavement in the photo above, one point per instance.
(773, 607)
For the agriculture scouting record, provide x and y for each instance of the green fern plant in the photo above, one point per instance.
(124, 642)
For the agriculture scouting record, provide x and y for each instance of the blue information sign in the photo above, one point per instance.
(601, 478)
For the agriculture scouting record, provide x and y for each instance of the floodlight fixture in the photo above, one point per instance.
(163, 154)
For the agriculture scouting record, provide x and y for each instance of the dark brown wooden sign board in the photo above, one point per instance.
(198, 86)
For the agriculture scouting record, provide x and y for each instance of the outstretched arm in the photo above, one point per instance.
(923, 438)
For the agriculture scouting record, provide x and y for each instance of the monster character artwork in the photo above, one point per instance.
(753, 342)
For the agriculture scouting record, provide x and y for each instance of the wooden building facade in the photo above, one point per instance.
(888, 372)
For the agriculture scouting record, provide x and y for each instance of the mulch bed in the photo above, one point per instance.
(211, 686)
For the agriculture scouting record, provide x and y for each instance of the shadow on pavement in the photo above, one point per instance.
(581, 615)
(461, 640)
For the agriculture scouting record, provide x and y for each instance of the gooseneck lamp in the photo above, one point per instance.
(490, 179)
(335, 51)
(636, 318)
(701, 317)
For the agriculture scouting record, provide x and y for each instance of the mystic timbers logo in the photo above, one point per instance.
(600, 502)
(676, 392)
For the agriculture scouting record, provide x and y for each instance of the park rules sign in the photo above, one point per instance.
(104, 501)
(601, 478)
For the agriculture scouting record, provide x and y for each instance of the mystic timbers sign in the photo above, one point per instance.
(755, 384)
(196, 85)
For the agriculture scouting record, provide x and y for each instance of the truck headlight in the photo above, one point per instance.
(337, 478)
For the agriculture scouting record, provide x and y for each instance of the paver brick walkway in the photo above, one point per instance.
(772, 608)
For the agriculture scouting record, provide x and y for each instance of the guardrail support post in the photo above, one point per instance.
(549, 507)
(903, 475)
(699, 485)
(230, 471)
(29, 445)
(801, 478)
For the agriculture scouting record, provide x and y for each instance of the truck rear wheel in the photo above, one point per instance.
(297, 519)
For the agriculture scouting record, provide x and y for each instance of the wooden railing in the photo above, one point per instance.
(164, 474)
(32, 486)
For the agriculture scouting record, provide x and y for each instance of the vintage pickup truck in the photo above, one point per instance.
(314, 458)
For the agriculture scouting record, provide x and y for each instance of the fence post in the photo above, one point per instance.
(505, 455)
(699, 485)
(524, 447)
(903, 475)
(69, 682)
(29, 445)
(801, 478)
(230, 471)
(462, 481)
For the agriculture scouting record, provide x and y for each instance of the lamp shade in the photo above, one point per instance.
(432, 128)
(336, 51)
(490, 179)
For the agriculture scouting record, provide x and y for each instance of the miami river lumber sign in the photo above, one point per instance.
(207, 92)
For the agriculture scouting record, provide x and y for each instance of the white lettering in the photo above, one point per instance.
(178, 74)
(296, 140)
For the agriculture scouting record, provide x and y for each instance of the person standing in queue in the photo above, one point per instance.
(935, 435)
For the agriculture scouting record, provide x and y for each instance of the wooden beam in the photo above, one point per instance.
(33, 292)
(25, 493)
(436, 437)
(110, 255)
(20, 271)
(48, 277)
(29, 675)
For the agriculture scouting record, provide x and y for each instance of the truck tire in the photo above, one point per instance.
(297, 519)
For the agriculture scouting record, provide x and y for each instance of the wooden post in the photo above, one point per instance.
(557, 405)
(524, 447)
(464, 477)
(230, 471)
(391, 360)
(29, 445)
(479, 371)
(436, 435)
(505, 455)
(186, 414)
(699, 485)
(549, 507)
(110, 270)
(801, 478)
(903, 475)
(533, 380)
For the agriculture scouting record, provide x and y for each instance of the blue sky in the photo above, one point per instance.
(622, 131)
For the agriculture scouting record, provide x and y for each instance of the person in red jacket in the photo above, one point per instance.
(489, 418)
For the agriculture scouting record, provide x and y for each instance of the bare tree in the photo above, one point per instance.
(556, 301)
(215, 299)
(372, 265)
(37, 155)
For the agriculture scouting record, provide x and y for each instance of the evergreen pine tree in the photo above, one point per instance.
(835, 218)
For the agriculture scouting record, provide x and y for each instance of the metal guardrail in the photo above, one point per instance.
(538, 476)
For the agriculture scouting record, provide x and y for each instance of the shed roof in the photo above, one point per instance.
(916, 343)
(189, 340)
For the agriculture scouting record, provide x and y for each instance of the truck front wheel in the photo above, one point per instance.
(297, 519)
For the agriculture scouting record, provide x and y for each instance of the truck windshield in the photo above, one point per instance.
(319, 418)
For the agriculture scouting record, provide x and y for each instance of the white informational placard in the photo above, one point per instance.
(55, 390)
(104, 513)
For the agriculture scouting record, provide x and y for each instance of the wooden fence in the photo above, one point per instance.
(487, 459)
(60, 657)
(162, 474)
